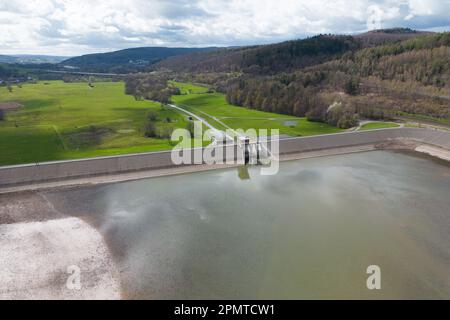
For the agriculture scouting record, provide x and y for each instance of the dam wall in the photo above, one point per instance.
(433, 137)
(58, 170)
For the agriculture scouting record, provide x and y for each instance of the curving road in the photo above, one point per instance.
(206, 123)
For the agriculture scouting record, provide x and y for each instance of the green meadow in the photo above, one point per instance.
(379, 125)
(188, 88)
(60, 121)
(214, 108)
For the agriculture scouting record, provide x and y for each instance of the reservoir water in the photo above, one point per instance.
(308, 232)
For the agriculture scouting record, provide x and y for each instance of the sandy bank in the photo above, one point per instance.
(434, 151)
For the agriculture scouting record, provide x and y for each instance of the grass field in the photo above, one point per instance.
(213, 107)
(379, 125)
(71, 120)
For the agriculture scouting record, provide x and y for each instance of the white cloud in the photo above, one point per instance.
(71, 27)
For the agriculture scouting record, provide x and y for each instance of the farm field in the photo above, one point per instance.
(213, 107)
(59, 121)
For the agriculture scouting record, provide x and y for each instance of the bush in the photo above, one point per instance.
(348, 121)
(165, 133)
(150, 130)
(152, 115)
(2, 114)
(316, 115)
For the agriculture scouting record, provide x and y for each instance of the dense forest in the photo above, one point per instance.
(268, 59)
(411, 76)
(333, 79)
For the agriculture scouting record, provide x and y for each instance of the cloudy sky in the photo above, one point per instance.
(72, 27)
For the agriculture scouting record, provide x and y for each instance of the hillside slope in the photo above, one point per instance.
(264, 59)
(284, 56)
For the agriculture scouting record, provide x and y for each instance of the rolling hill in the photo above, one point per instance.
(284, 56)
(127, 60)
(271, 58)
(386, 36)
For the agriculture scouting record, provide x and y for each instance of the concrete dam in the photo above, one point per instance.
(72, 169)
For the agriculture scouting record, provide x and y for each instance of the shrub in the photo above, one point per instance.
(152, 115)
(165, 133)
(348, 121)
(150, 130)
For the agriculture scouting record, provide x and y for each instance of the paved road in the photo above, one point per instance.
(193, 115)
(206, 123)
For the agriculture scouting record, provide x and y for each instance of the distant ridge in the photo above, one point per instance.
(31, 59)
(381, 36)
(127, 60)
(7, 59)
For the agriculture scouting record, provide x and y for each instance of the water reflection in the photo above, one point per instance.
(243, 173)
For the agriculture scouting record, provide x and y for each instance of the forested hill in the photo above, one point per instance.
(128, 60)
(386, 36)
(352, 74)
(412, 76)
(264, 59)
(284, 56)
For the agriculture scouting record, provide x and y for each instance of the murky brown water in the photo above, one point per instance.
(309, 232)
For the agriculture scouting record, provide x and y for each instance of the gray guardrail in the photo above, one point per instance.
(56, 170)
